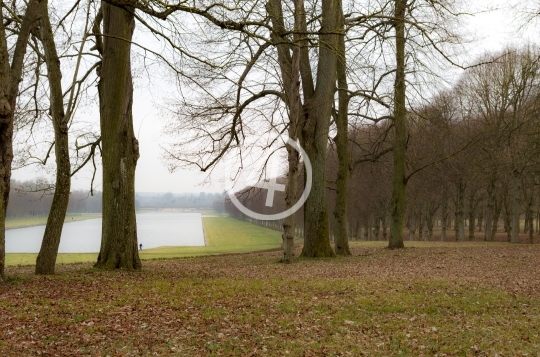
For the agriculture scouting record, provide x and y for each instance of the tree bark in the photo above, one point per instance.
(46, 258)
(315, 136)
(480, 220)
(384, 227)
(444, 215)
(496, 215)
(472, 213)
(516, 207)
(342, 145)
(290, 74)
(488, 235)
(460, 215)
(400, 132)
(10, 74)
(120, 147)
(412, 229)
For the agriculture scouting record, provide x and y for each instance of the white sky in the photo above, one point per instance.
(493, 30)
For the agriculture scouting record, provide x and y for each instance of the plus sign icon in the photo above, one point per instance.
(271, 186)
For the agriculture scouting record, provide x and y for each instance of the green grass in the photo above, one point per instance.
(39, 221)
(223, 235)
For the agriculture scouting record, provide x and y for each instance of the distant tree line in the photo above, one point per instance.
(183, 200)
(30, 199)
(34, 199)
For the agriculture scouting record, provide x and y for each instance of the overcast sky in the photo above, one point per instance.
(493, 30)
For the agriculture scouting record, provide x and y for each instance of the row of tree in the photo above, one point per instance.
(32, 199)
(473, 160)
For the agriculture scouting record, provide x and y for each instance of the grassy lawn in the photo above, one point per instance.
(38, 221)
(223, 235)
(471, 299)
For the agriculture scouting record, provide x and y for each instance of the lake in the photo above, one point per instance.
(155, 229)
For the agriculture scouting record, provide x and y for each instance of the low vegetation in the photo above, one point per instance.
(432, 299)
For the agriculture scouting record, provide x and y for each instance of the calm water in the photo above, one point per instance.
(153, 230)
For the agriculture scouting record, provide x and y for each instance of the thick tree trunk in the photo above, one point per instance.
(315, 135)
(342, 145)
(317, 110)
(289, 224)
(290, 74)
(516, 207)
(120, 147)
(400, 132)
(10, 75)
(46, 258)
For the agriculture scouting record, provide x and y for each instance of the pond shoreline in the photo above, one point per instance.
(83, 218)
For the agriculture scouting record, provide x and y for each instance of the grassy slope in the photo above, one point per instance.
(223, 235)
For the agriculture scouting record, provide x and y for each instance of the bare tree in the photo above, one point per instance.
(10, 73)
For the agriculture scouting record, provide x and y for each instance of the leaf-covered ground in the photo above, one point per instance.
(431, 299)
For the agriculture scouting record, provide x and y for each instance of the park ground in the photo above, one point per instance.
(430, 299)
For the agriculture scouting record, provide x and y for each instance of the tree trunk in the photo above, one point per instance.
(488, 235)
(384, 227)
(46, 258)
(480, 220)
(400, 132)
(429, 223)
(315, 136)
(530, 222)
(376, 228)
(495, 220)
(289, 224)
(420, 225)
(120, 150)
(516, 207)
(366, 229)
(342, 145)
(472, 212)
(460, 214)
(290, 73)
(412, 229)
(444, 215)
(10, 75)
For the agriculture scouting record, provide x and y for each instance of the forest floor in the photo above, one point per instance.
(430, 299)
